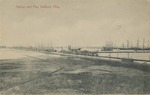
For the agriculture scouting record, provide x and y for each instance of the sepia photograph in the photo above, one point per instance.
(74, 47)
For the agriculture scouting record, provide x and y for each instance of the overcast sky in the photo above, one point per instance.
(75, 22)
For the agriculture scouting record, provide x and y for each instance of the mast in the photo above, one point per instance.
(138, 43)
(143, 43)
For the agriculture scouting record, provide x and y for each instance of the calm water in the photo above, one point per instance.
(14, 53)
(144, 56)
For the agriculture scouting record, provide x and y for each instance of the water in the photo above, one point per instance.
(143, 56)
(15, 54)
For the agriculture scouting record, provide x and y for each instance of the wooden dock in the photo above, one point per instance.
(125, 59)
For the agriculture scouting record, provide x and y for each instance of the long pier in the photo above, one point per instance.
(125, 59)
(101, 57)
(123, 52)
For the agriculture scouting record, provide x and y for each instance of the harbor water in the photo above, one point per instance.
(142, 56)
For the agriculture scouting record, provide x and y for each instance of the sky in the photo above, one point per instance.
(74, 22)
